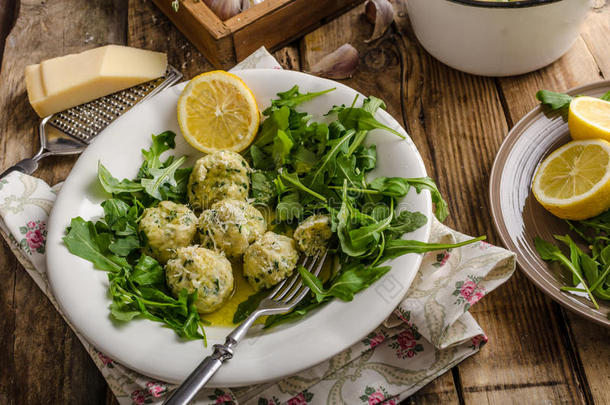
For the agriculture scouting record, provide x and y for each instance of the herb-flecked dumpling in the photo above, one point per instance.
(208, 272)
(230, 226)
(218, 176)
(270, 260)
(167, 227)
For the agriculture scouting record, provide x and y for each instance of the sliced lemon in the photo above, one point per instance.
(217, 111)
(589, 118)
(573, 182)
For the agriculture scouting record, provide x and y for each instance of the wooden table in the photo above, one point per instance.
(537, 352)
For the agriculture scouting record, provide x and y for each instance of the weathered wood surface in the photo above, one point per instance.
(537, 352)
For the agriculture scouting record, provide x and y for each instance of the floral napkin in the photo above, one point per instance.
(428, 333)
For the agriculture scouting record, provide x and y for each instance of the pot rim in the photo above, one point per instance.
(503, 4)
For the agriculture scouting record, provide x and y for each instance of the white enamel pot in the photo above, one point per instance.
(497, 38)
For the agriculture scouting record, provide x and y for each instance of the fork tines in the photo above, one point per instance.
(292, 290)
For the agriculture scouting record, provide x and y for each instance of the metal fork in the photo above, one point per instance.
(70, 131)
(283, 298)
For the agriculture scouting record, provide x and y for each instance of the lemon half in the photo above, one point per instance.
(573, 182)
(589, 118)
(217, 111)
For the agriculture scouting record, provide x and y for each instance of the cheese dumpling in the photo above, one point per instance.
(269, 260)
(167, 227)
(313, 234)
(230, 226)
(218, 176)
(195, 268)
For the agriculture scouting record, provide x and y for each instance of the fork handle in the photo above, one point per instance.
(201, 375)
(27, 166)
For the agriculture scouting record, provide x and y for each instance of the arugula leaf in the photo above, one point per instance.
(262, 188)
(292, 98)
(114, 186)
(346, 169)
(282, 143)
(405, 222)
(125, 245)
(289, 207)
(399, 187)
(398, 247)
(575, 254)
(277, 120)
(337, 146)
(148, 271)
(119, 217)
(82, 240)
(391, 186)
(366, 157)
(293, 179)
(346, 285)
(554, 101)
(366, 237)
(160, 143)
(362, 120)
(304, 160)
(260, 159)
(160, 177)
(606, 96)
(550, 252)
(441, 208)
(177, 193)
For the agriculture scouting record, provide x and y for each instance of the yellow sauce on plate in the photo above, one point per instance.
(224, 315)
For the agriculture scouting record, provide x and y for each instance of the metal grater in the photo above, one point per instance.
(70, 131)
(84, 122)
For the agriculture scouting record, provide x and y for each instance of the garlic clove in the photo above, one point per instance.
(339, 64)
(381, 14)
(225, 9)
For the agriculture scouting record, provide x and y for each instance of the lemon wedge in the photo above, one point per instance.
(217, 111)
(573, 182)
(589, 118)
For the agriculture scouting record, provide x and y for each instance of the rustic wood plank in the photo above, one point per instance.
(457, 121)
(45, 361)
(149, 28)
(595, 35)
(440, 391)
(8, 268)
(7, 17)
(288, 57)
(591, 344)
(378, 73)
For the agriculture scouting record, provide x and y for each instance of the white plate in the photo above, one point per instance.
(153, 350)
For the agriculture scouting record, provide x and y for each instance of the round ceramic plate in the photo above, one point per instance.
(519, 218)
(153, 350)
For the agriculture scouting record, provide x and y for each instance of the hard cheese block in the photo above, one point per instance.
(60, 83)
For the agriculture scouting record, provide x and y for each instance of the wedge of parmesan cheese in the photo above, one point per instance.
(60, 83)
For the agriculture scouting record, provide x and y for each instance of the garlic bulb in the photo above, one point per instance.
(339, 64)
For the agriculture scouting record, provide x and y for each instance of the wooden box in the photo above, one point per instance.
(272, 23)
